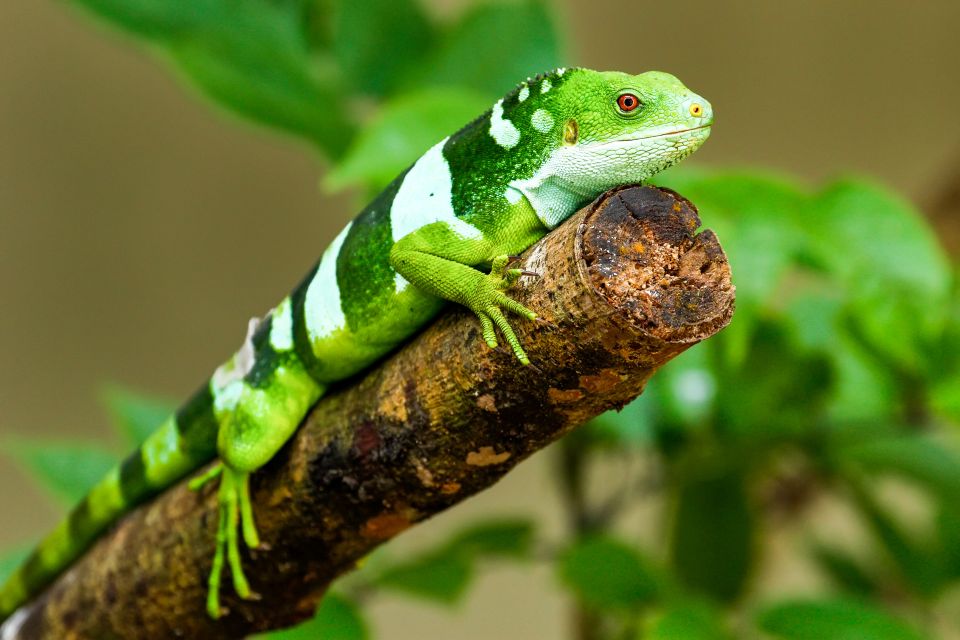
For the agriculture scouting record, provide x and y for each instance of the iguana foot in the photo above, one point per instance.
(236, 512)
(489, 301)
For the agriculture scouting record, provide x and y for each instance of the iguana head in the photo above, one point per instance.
(602, 129)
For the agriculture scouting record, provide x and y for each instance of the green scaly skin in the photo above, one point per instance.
(441, 231)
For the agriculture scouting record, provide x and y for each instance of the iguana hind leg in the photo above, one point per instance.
(255, 422)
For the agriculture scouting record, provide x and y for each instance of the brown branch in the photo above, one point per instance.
(627, 285)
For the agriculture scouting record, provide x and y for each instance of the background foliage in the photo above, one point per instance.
(838, 380)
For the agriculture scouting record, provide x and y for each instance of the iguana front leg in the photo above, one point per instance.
(439, 261)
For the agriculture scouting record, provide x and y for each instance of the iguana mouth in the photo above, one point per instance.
(666, 134)
(653, 136)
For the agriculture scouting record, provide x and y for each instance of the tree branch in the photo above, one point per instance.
(627, 285)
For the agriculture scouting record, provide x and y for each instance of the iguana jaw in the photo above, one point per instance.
(705, 129)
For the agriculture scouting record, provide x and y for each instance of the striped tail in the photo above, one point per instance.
(183, 443)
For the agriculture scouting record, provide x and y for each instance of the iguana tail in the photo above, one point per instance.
(183, 442)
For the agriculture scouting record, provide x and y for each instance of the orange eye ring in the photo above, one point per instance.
(627, 102)
(696, 110)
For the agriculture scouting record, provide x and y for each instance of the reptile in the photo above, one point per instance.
(447, 229)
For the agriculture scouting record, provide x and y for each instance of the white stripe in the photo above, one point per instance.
(524, 94)
(322, 309)
(399, 283)
(281, 327)
(541, 120)
(425, 197)
(512, 195)
(242, 361)
(502, 130)
(11, 628)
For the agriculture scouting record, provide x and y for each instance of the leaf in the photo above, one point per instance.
(918, 458)
(276, 90)
(405, 128)
(337, 618)
(442, 576)
(631, 425)
(777, 392)
(687, 621)
(834, 619)
(135, 415)
(66, 470)
(845, 571)
(378, 42)
(494, 46)
(861, 229)
(10, 560)
(915, 560)
(712, 535)
(863, 389)
(948, 539)
(689, 388)
(945, 397)
(896, 273)
(252, 56)
(607, 574)
(499, 539)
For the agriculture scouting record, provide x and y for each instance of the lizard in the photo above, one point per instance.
(447, 229)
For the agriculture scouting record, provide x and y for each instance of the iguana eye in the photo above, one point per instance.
(696, 110)
(627, 102)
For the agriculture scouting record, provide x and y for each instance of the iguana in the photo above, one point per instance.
(446, 229)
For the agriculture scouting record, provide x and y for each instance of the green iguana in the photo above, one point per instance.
(444, 230)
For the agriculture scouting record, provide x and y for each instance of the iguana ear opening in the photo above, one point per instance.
(571, 132)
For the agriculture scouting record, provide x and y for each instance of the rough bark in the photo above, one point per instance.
(627, 284)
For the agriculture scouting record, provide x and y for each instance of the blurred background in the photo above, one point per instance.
(142, 223)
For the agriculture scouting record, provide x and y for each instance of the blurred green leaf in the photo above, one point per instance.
(252, 56)
(863, 389)
(914, 559)
(948, 540)
(897, 274)
(689, 387)
(918, 458)
(66, 470)
(441, 576)
(776, 393)
(509, 538)
(607, 574)
(712, 534)
(945, 397)
(686, 621)
(10, 560)
(378, 42)
(271, 88)
(405, 128)
(444, 574)
(833, 619)
(337, 618)
(862, 230)
(135, 415)
(494, 46)
(630, 425)
(845, 571)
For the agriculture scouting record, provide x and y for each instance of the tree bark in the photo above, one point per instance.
(627, 284)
